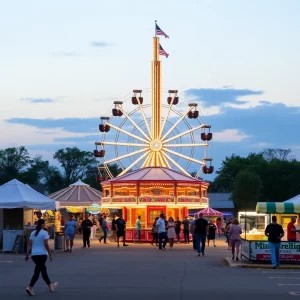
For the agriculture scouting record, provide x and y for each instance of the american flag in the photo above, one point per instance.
(162, 51)
(158, 31)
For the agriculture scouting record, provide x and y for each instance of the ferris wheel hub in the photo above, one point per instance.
(156, 145)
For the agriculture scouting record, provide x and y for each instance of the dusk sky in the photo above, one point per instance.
(63, 63)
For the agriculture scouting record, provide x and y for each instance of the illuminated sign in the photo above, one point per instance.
(94, 209)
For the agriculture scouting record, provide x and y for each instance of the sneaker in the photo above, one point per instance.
(203, 253)
(125, 245)
(198, 254)
(89, 246)
(237, 259)
(99, 241)
(53, 286)
(29, 292)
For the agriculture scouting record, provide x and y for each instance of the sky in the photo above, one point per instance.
(63, 63)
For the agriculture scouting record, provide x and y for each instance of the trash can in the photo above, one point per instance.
(59, 238)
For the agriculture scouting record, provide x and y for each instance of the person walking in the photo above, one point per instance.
(113, 236)
(86, 227)
(121, 230)
(171, 231)
(70, 230)
(274, 232)
(138, 229)
(93, 228)
(235, 232)
(186, 230)
(219, 226)
(211, 233)
(162, 234)
(292, 231)
(39, 248)
(177, 229)
(192, 225)
(200, 231)
(104, 229)
(154, 232)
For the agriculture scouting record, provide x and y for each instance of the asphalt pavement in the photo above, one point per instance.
(143, 272)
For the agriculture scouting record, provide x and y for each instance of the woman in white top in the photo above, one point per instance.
(38, 245)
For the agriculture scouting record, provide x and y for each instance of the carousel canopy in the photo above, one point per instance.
(209, 212)
(154, 174)
(295, 199)
(277, 207)
(15, 194)
(77, 194)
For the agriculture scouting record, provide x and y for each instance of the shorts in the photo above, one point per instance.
(69, 236)
(119, 234)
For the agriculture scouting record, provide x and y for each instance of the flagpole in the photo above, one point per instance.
(155, 28)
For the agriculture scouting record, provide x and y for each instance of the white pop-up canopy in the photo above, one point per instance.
(15, 194)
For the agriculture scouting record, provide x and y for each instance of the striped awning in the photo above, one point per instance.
(277, 208)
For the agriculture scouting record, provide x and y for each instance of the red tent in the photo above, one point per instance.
(209, 212)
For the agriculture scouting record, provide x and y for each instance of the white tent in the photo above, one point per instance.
(295, 199)
(15, 194)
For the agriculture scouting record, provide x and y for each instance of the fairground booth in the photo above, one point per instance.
(20, 207)
(77, 199)
(258, 248)
(150, 191)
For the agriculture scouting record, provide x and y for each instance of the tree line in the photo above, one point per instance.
(73, 164)
(272, 175)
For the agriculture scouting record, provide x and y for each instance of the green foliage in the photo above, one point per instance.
(279, 175)
(75, 163)
(247, 190)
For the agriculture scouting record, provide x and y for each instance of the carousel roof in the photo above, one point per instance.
(77, 194)
(159, 174)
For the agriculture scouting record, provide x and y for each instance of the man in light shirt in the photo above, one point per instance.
(138, 228)
(162, 234)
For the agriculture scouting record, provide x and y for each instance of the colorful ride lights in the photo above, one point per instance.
(116, 112)
(104, 127)
(173, 98)
(206, 136)
(137, 97)
(193, 113)
(208, 169)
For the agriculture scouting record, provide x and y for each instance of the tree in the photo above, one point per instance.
(75, 163)
(53, 179)
(247, 190)
(279, 154)
(13, 162)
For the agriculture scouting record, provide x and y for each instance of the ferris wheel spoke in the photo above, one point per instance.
(175, 164)
(175, 125)
(147, 160)
(127, 133)
(162, 160)
(144, 116)
(184, 156)
(121, 144)
(134, 163)
(125, 156)
(185, 145)
(183, 133)
(133, 123)
(166, 118)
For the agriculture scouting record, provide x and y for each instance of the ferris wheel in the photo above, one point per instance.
(142, 131)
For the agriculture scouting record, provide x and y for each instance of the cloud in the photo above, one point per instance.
(65, 54)
(100, 44)
(261, 145)
(38, 100)
(221, 96)
(229, 135)
(76, 139)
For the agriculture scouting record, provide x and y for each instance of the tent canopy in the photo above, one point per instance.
(295, 199)
(209, 212)
(15, 194)
(278, 207)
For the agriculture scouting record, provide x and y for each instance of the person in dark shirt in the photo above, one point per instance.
(200, 232)
(113, 236)
(121, 227)
(86, 226)
(177, 229)
(186, 230)
(274, 232)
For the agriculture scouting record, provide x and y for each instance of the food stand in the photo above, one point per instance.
(258, 250)
(17, 204)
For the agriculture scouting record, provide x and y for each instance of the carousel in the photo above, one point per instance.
(162, 150)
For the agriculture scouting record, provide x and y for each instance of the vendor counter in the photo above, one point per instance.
(258, 250)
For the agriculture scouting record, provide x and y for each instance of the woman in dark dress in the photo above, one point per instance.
(211, 233)
(154, 232)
